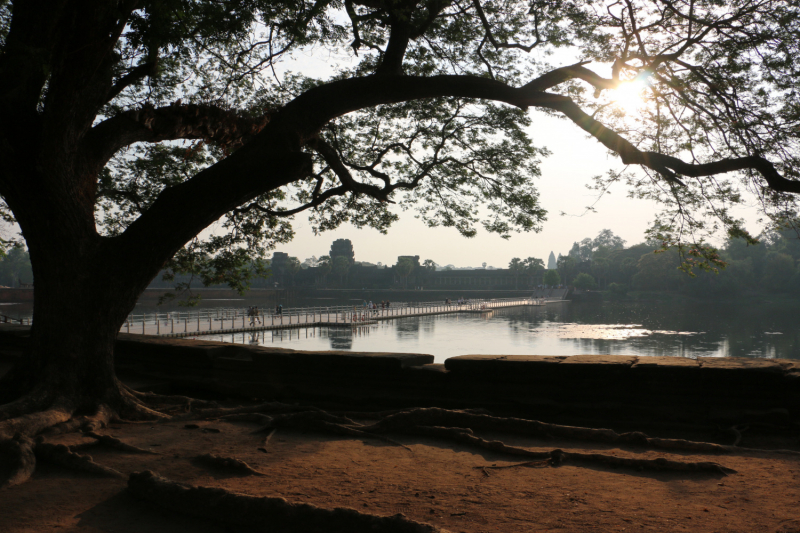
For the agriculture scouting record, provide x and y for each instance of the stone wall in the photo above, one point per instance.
(601, 387)
(16, 295)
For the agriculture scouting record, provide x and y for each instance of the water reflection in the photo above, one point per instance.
(650, 328)
(688, 330)
(409, 328)
(340, 338)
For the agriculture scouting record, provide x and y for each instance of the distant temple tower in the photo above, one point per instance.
(278, 263)
(551, 262)
(343, 248)
(414, 259)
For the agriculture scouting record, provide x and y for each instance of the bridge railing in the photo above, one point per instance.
(217, 318)
(222, 318)
(11, 320)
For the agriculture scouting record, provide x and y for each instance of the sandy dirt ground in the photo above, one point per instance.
(434, 482)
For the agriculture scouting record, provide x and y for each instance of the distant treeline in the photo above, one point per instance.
(604, 263)
(15, 267)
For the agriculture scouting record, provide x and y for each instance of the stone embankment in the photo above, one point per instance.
(661, 389)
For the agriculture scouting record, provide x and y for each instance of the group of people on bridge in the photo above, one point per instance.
(255, 315)
(375, 306)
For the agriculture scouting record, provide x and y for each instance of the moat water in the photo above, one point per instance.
(690, 329)
(755, 327)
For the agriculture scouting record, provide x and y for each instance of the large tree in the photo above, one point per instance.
(128, 127)
(404, 268)
(517, 267)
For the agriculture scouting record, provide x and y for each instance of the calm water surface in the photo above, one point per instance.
(738, 328)
(753, 329)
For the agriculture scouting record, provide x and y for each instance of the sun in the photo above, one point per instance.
(628, 96)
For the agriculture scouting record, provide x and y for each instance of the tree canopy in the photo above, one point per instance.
(584, 281)
(427, 109)
(15, 267)
(551, 277)
(770, 266)
(404, 267)
(142, 134)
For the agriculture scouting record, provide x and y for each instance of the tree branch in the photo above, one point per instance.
(81, 76)
(34, 30)
(351, 13)
(136, 73)
(570, 72)
(272, 158)
(488, 28)
(151, 124)
(317, 200)
(331, 157)
(666, 165)
(399, 36)
(434, 7)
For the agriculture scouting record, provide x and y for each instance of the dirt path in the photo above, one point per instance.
(435, 482)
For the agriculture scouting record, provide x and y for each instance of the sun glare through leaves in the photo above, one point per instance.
(629, 96)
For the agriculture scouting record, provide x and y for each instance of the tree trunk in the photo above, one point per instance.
(85, 286)
(76, 317)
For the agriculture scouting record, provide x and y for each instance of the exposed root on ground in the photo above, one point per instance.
(35, 422)
(401, 420)
(19, 453)
(458, 426)
(659, 464)
(99, 419)
(762, 450)
(135, 409)
(412, 418)
(108, 441)
(226, 463)
(313, 421)
(269, 437)
(263, 408)
(61, 455)
(258, 418)
(558, 457)
(526, 464)
(378, 415)
(274, 514)
(30, 403)
(169, 400)
(17, 460)
(318, 420)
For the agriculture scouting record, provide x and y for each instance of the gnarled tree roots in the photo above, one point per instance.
(458, 426)
(39, 414)
(20, 454)
(21, 448)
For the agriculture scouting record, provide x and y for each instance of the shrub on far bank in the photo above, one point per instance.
(584, 282)
(618, 289)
